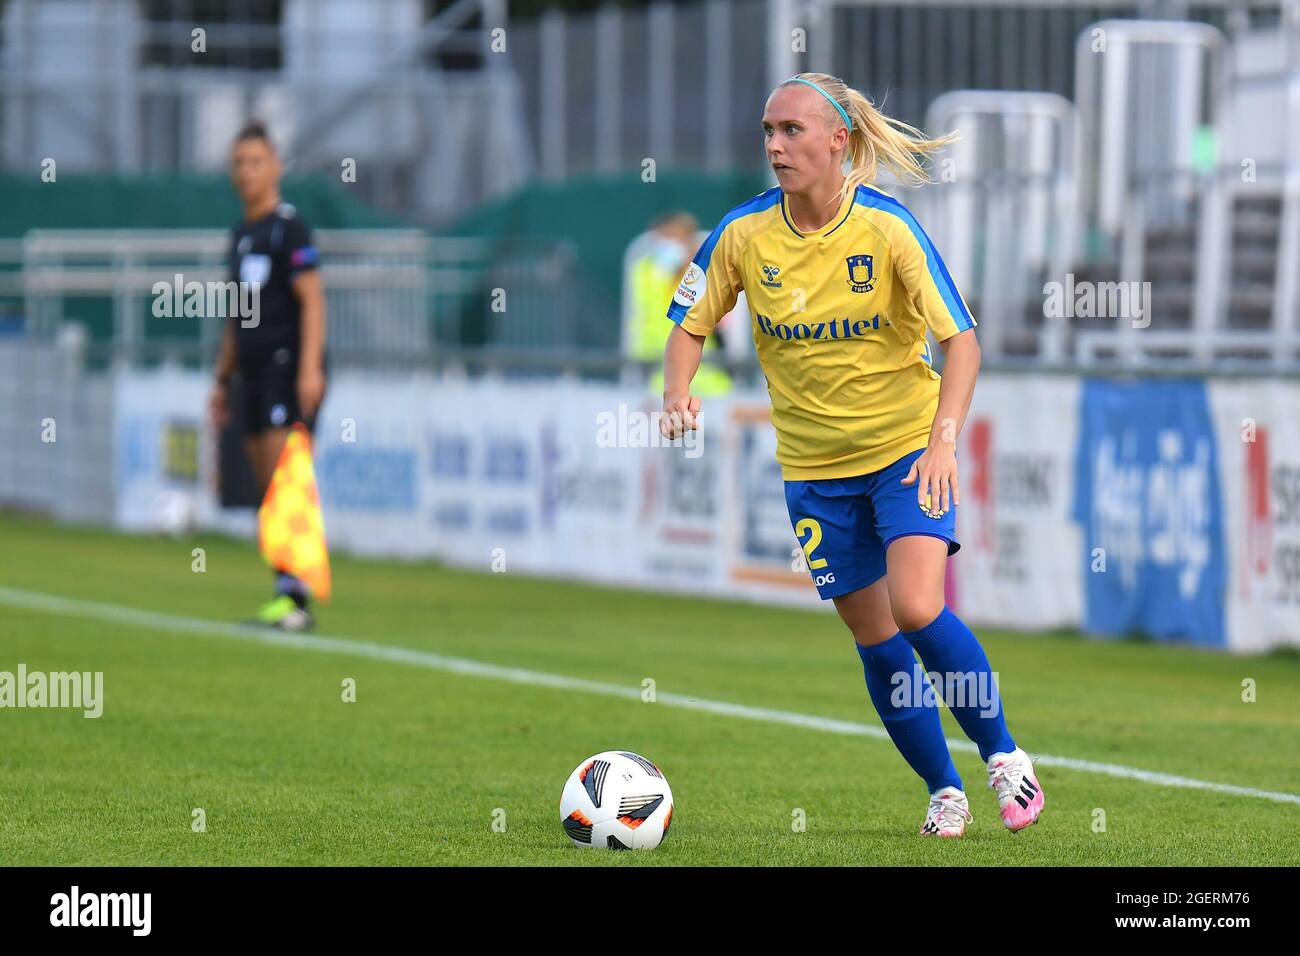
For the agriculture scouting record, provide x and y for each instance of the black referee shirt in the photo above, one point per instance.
(271, 251)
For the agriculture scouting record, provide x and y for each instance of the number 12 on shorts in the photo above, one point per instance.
(813, 529)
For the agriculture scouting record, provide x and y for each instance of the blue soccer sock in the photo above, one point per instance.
(947, 645)
(914, 728)
(295, 587)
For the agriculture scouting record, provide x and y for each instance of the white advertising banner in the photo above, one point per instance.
(1257, 431)
(1020, 559)
(368, 451)
(163, 461)
(574, 481)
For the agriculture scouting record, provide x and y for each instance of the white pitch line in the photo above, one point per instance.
(93, 610)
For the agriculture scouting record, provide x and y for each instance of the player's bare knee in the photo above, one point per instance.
(913, 612)
(870, 636)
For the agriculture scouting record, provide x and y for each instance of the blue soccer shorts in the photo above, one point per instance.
(846, 524)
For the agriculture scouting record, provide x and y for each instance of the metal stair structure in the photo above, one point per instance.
(1256, 233)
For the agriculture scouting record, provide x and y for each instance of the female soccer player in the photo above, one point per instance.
(280, 358)
(843, 284)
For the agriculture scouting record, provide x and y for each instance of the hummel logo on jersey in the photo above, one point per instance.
(770, 279)
(836, 328)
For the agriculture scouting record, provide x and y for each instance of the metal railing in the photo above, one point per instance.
(394, 297)
(380, 286)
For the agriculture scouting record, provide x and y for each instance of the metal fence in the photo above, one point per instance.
(1117, 168)
(444, 105)
(394, 298)
(56, 433)
(387, 290)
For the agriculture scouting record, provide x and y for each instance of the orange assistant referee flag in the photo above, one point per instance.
(291, 531)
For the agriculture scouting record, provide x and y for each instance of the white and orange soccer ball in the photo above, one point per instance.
(616, 800)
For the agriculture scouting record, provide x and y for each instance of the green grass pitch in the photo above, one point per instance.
(417, 770)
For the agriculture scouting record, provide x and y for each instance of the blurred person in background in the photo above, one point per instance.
(281, 358)
(845, 287)
(652, 279)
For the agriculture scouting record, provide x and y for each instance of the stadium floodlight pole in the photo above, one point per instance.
(1286, 285)
(609, 91)
(495, 17)
(782, 60)
(717, 91)
(554, 117)
(659, 85)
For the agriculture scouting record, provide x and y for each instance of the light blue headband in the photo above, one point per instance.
(839, 109)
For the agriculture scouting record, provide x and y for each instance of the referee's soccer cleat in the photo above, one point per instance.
(1019, 794)
(284, 614)
(948, 814)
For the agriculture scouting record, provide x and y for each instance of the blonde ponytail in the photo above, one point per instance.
(874, 138)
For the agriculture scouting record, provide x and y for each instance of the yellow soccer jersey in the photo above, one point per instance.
(839, 319)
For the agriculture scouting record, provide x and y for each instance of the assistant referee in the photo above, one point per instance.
(280, 357)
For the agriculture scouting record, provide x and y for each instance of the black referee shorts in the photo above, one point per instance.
(270, 386)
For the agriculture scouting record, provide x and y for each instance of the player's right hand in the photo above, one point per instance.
(218, 407)
(679, 415)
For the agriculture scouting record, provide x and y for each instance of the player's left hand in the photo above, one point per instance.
(311, 388)
(935, 472)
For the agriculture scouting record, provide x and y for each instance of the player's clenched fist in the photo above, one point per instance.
(679, 415)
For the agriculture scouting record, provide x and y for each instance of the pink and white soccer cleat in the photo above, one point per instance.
(1019, 795)
(948, 814)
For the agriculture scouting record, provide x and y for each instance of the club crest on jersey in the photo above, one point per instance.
(861, 273)
(770, 279)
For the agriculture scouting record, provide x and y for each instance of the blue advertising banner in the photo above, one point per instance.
(1148, 499)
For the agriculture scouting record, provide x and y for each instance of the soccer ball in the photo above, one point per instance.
(617, 800)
